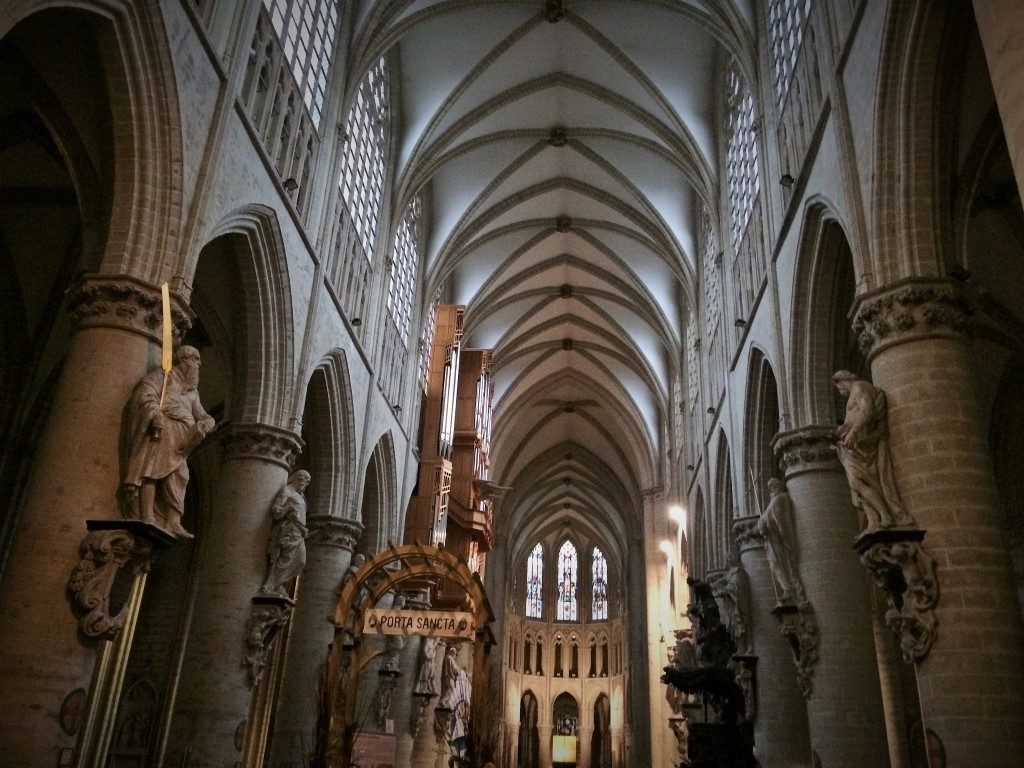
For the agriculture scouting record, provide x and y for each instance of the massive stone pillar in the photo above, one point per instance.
(844, 702)
(214, 691)
(75, 476)
(544, 731)
(780, 727)
(971, 681)
(1001, 24)
(329, 548)
(585, 759)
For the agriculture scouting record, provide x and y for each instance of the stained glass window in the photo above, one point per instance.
(362, 167)
(599, 574)
(306, 29)
(567, 570)
(535, 584)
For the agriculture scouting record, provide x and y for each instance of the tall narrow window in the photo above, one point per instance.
(306, 29)
(786, 20)
(362, 167)
(567, 573)
(535, 583)
(527, 648)
(599, 578)
(741, 169)
(404, 263)
(427, 341)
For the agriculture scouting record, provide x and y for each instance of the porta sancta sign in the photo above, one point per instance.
(385, 621)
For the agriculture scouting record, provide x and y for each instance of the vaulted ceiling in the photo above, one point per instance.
(567, 149)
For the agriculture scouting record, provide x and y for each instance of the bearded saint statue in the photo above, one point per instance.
(164, 423)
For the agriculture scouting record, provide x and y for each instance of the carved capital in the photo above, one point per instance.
(911, 309)
(333, 531)
(101, 556)
(806, 449)
(126, 303)
(747, 535)
(268, 617)
(907, 576)
(799, 626)
(262, 442)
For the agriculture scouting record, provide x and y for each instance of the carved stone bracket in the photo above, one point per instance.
(800, 626)
(127, 303)
(747, 536)
(333, 531)
(911, 308)
(269, 615)
(744, 667)
(907, 575)
(109, 547)
(260, 441)
(806, 449)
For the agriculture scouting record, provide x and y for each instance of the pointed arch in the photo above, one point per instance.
(762, 424)
(378, 511)
(722, 544)
(568, 573)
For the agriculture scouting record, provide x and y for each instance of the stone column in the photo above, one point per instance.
(585, 759)
(329, 548)
(780, 726)
(544, 732)
(1001, 24)
(214, 690)
(844, 703)
(971, 681)
(75, 476)
(513, 738)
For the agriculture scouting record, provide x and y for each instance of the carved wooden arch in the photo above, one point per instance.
(385, 572)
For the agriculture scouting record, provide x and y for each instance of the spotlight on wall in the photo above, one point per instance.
(739, 322)
(666, 547)
(356, 322)
(787, 180)
(290, 184)
(677, 515)
(712, 410)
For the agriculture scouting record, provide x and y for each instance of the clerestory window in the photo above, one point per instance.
(404, 263)
(568, 569)
(786, 22)
(741, 165)
(535, 583)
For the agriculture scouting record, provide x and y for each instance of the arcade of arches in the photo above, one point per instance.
(559, 286)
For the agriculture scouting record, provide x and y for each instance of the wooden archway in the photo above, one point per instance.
(388, 571)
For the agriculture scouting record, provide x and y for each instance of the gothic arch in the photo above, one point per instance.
(722, 544)
(147, 188)
(762, 424)
(379, 498)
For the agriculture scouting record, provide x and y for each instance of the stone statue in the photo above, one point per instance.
(287, 551)
(730, 591)
(156, 442)
(862, 443)
(424, 685)
(456, 692)
(778, 528)
(394, 644)
(350, 575)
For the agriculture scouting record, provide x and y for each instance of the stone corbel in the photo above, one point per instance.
(744, 667)
(800, 626)
(906, 574)
(269, 615)
(108, 547)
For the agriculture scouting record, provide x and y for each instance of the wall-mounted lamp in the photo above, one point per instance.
(666, 547)
(356, 322)
(677, 515)
(787, 180)
(290, 184)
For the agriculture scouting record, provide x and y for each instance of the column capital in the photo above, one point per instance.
(333, 531)
(242, 440)
(128, 304)
(806, 449)
(747, 535)
(911, 309)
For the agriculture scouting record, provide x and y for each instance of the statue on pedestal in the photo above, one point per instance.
(729, 589)
(862, 443)
(287, 551)
(778, 529)
(456, 694)
(425, 676)
(165, 422)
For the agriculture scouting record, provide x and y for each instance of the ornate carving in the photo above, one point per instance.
(730, 590)
(333, 531)
(862, 443)
(120, 301)
(424, 685)
(777, 526)
(101, 555)
(286, 553)
(748, 535)
(800, 626)
(804, 449)
(681, 730)
(388, 680)
(911, 309)
(264, 626)
(165, 422)
(259, 441)
(907, 575)
(744, 666)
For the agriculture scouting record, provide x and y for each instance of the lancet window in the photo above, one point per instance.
(599, 581)
(568, 570)
(786, 22)
(306, 29)
(535, 583)
(741, 167)
(404, 262)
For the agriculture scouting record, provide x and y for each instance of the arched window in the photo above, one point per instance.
(306, 29)
(404, 263)
(362, 168)
(535, 583)
(599, 578)
(741, 168)
(786, 20)
(567, 571)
